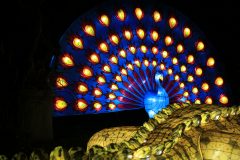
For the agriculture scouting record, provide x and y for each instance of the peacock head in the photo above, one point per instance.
(154, 101)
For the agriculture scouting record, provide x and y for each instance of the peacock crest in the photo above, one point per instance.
(134, 57)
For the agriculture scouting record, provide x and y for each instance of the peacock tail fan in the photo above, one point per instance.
(131, 56)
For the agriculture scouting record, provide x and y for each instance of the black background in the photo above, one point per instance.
(29, 36)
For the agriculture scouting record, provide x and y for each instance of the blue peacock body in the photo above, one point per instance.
(134, 57)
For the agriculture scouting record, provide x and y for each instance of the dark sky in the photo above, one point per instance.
(31, 30)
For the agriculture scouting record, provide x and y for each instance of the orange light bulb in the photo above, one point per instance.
(200, 46)
(139, 13)
(210, 62)
(190, 59)
(114, 39)
(82, 88)
(94, 58)
(121, 15)
(81, 105)
(103, 47)
(127, 34)
(154, 35)
(223, 99)
(77, 42)
(60, 104)
(168, 41)
(208, 100)
(205, 87)
(198, 71)
(104, 20)
(141, 33)
(172, 22)
(87, 72)
(186, 32)
(61, 82)
(67, 60)
(89, 30)
(219, 81)
(156, 16)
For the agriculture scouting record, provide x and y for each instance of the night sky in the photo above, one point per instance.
(29, 37)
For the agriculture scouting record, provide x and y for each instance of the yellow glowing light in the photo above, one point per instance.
(103, 47)
(61, 82)
(198, 71)
(94, 58)
(89, 30)
(81, 104)
(190, 59)
(174, 60)
(127, 34)
(186, 94)
(101, 80)
(67, 60)
(77, 42)
(137, 62)
(182, 85)
(124, 71)
(146, 62)
(139, 13)
(154, 50)
(156, 16)
(114, 59)
(170, 71)
(97, 92)
(118, 78)
(82, 88)
(205, 86)
(208, 100)
(60, 104)
(186, 32)
(106, 68)
(141, 33)
(200, 46)
(123, 53)
(190, 78)
(176, 77)
(223, 99)
(114, 39)
(195, 90)
(111, 106)
(210, 62)
(154, 35)
(219, 81)
(162, 66)
(130, 66)
(154, 63)
(168, 40)
(87, 72)
(143, 48)
(197, 101)
(180, 48)
(111, 96)
(183, 68)
(104, 20)
(132, 49)
(114, 87)
(97, 106)
(121, 15)
(172, 22)
(164, 54)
